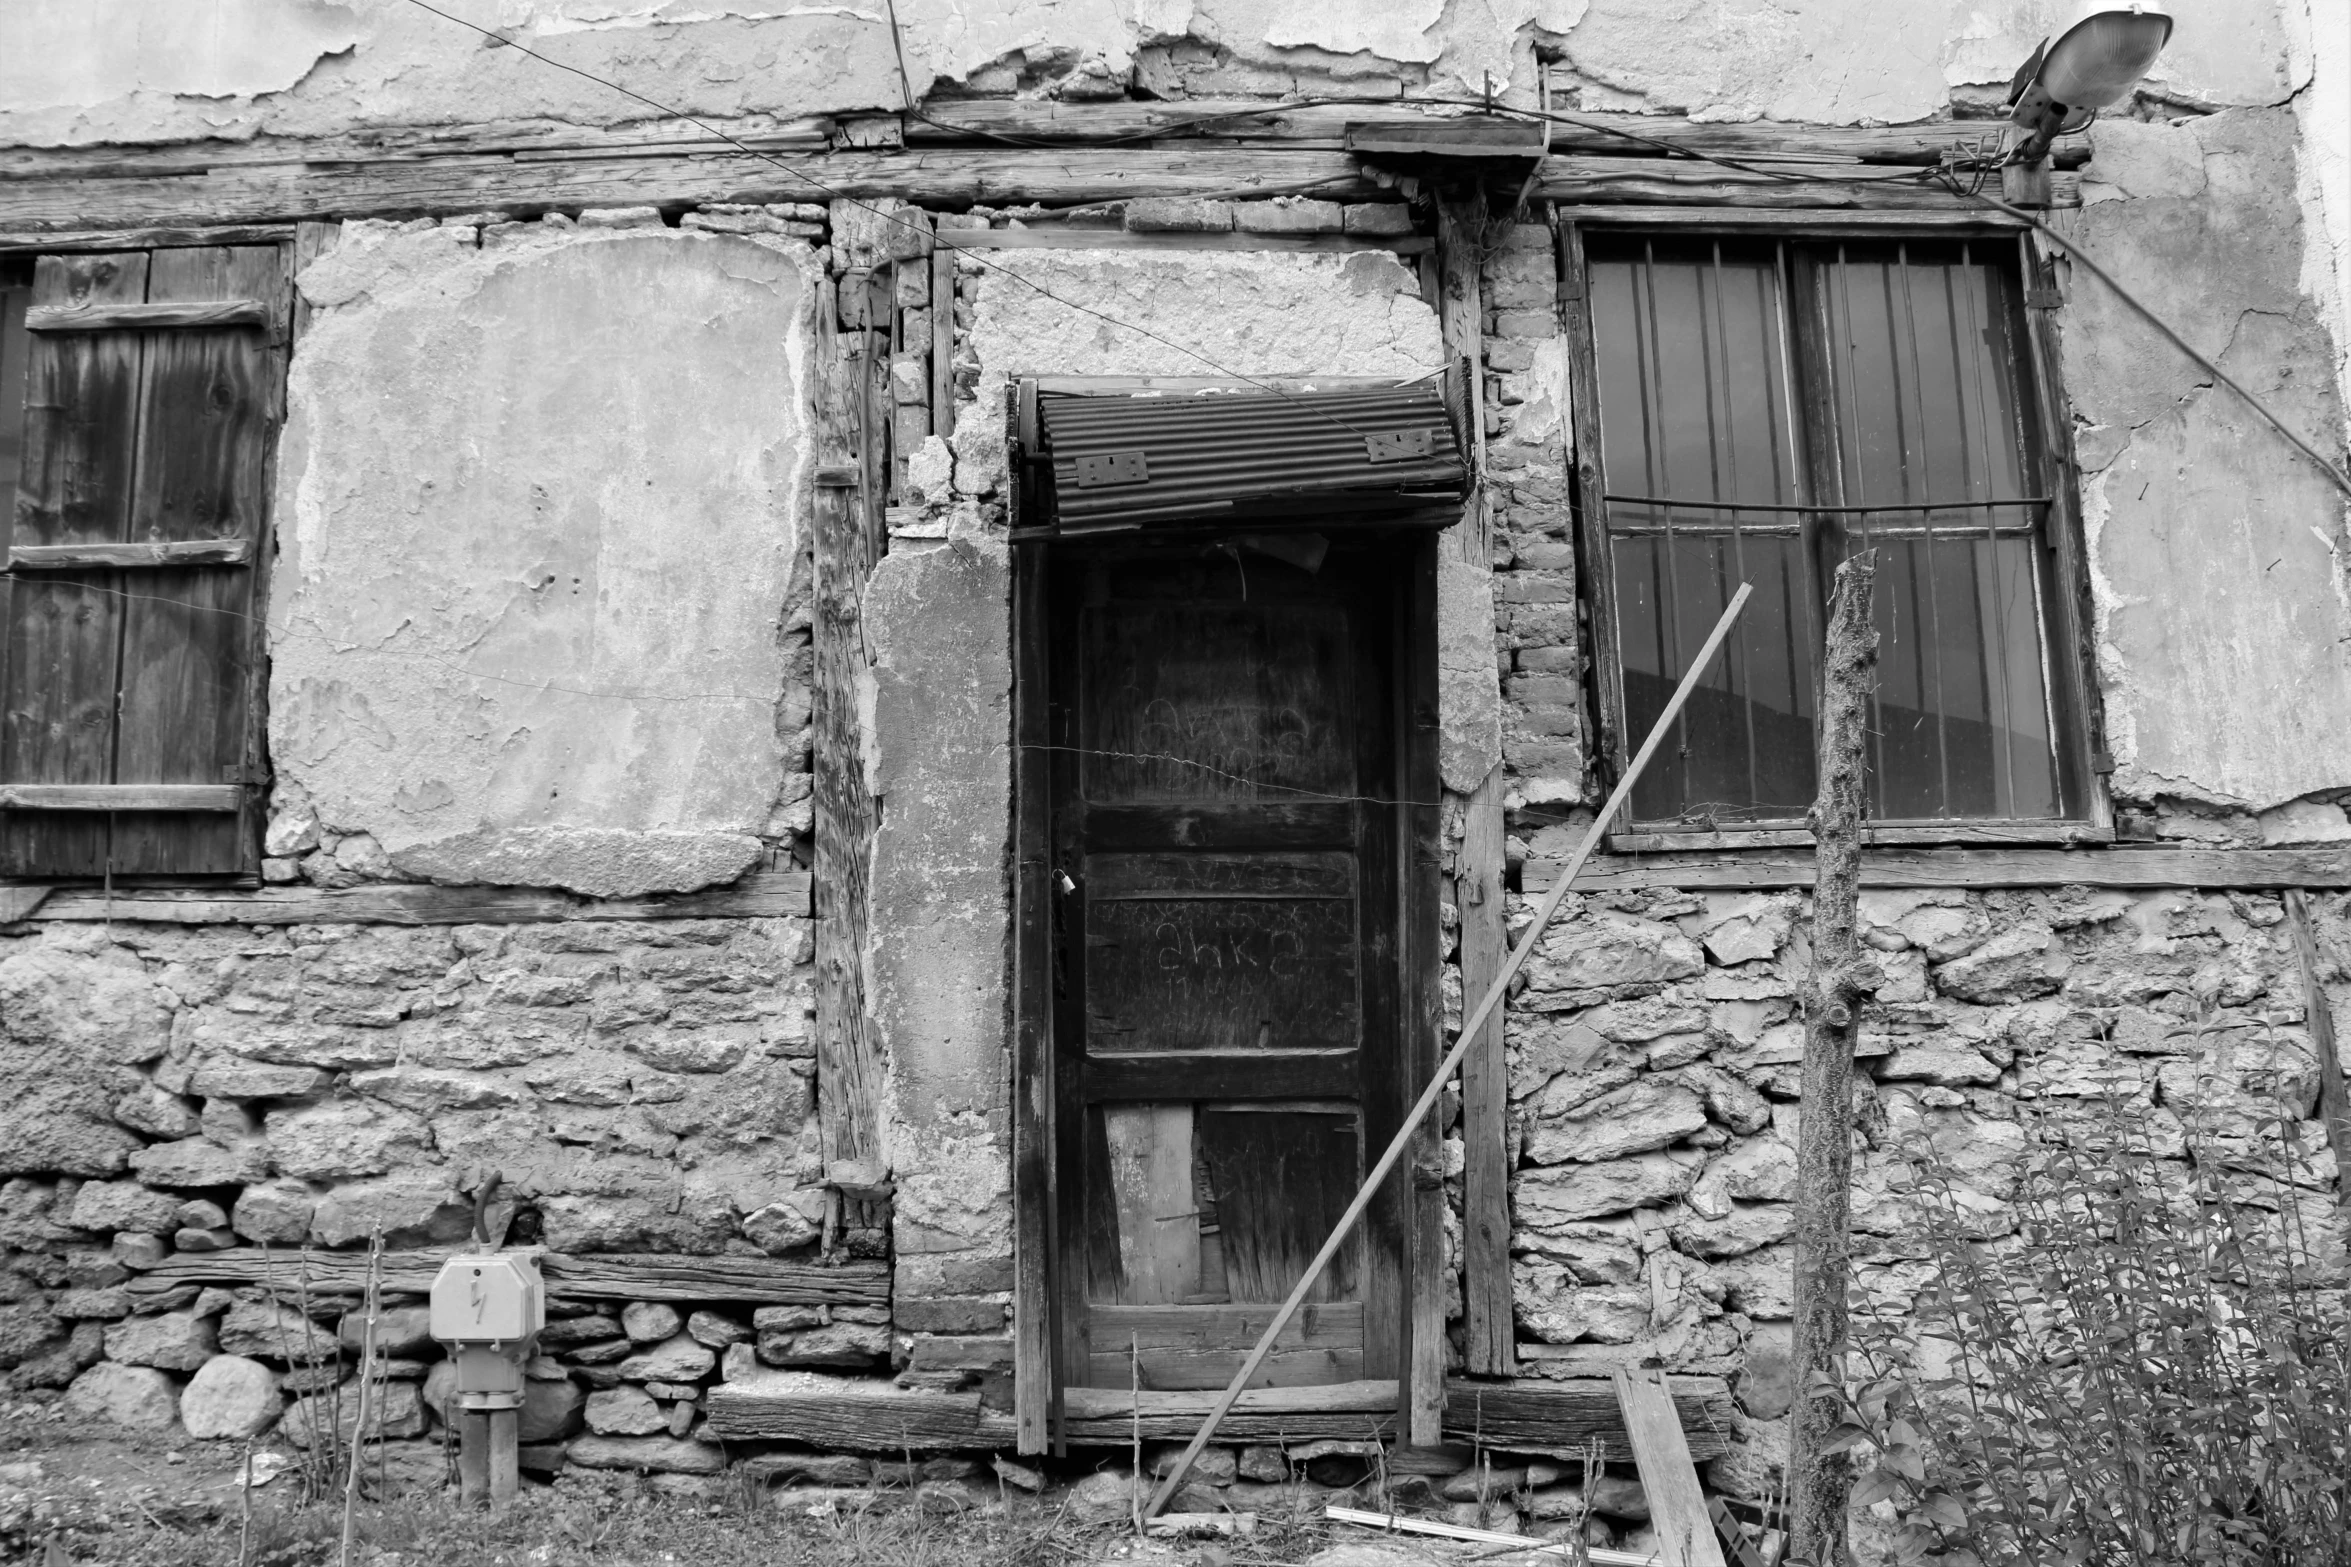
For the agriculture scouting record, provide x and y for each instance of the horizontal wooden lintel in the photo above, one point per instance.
(1743, 218)
(1057, 237)
(761, 895)
(162, 552)
(144, 318)
(2119, 867)
(121, 797)
(751, 1280)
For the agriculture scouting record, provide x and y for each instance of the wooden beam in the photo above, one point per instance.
(92, 198)
(149, 239)
(1034, 1380)
(162, 552)
(870, 1415)
(1558, 1418)
(121, 797)
(760, 895)
(1067, 237)
(148, 317)
(1987, 834)
(1749, 219)
(1585, 178)
(2121, 867)
(582, 1276)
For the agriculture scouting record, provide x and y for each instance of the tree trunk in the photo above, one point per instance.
(1819, 1481)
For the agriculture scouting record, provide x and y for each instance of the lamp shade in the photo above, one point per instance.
(2101, 58)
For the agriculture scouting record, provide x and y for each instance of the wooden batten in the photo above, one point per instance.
(163, 552)
(760, 895)
(152, 316)
(121, 797)
(2241, 869)
(582, 1276)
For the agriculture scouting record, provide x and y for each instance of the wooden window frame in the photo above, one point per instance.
(2079, 715)
(281, 319)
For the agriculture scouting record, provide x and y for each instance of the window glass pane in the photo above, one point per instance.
(1926, 392)
(1743, 749)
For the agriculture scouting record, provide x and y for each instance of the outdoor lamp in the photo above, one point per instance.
(2093, 65)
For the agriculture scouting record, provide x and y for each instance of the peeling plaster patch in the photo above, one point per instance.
(1247, 313)
(1469, 697)
(1397, 30)
(539, 512)
(78, 54)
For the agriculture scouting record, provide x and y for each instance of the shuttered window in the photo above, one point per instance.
(1768, 407)
(141, 393)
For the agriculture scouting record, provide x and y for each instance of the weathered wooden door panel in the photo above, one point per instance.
(1225, 836)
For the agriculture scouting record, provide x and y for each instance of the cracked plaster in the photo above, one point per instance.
(538, 518)
(241, 68)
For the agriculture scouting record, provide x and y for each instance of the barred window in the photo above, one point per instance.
(1767, 407)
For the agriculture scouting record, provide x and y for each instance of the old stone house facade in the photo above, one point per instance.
(823, 667)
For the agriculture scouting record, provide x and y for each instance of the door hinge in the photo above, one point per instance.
(2042, 299)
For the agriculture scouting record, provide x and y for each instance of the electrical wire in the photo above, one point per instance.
(923, 230)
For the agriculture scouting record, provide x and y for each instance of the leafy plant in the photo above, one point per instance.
(2154, 1367)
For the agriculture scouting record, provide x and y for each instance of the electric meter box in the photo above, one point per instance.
(489, 1299)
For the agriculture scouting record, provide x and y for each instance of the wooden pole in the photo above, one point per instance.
(1819, 1481)
(1470, 1031)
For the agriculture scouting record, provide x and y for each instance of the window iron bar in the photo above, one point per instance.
(1828, 511)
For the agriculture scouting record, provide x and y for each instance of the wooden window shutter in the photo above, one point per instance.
(130, 740)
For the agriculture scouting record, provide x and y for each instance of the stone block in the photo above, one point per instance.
(274, 1211)
(1610, 950)
(949, 1314)
(620, 218)
(624, 1411)
(1761, 1284)
(264, 1330)
(99, 1304)
(192, 1239)
(679, 1359)
(140, 1397)
(649, 1322)
(647, 1455)
(124, 1206)
(1564, 1193)
(1549, 1304)
(715, 1329)
(230, 1078)
(345, 1138)
(411, 1207)
(172, 1341)
(1289, 215)
(2018, 964)
(1766, 1386)
(394, 1409)
(839, 1344)
(399, 1330)
(1178, 214)
(196, 1162)
(139, 1251)
(567, 1332)
(964, 1352)
(149, 1109)
(1378, 218)
(433, 1090)
(1747, 1227)
(1641, 1116)
(230, 1396)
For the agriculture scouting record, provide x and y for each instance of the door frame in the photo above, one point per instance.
(1418, 1186)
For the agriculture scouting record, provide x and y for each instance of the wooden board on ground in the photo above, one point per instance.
(861, 1415)
(1677, 1504)
(749, 1280)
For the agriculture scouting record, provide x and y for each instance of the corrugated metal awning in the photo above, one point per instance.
(1381, 456)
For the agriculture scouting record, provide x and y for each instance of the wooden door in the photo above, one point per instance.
(1226, 858)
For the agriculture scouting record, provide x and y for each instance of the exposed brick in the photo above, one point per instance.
(1538, 689)
(1542, 756)
(1564, 659)
(1539, 623)
(1289, 215)
(1544, 554)
(1178, 215)
(1375, 218)
(1531, 587)
(964, 1353)
(933, 1274)
(1525, 323)
(948, 1313)
(1526, 294)
(1502, 355)
(1542, 719)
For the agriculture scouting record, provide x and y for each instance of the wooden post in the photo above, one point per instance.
(848, 1084)
(2334, 1099)
(1818, 1480)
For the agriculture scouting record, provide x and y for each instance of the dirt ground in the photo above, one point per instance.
(75, 1492)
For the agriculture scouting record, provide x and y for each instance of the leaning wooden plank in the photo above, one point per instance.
(147, 317)
(1533, 1416)
(1677, 1504)
(761, 895)
(120, 797)
(1598, 1555)
(578, 1276)
(171, 552)
(859, 1413)
(2116, 867)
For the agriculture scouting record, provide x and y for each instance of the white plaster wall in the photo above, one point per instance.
(538, 511)
(937, 614)
(79, 71)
